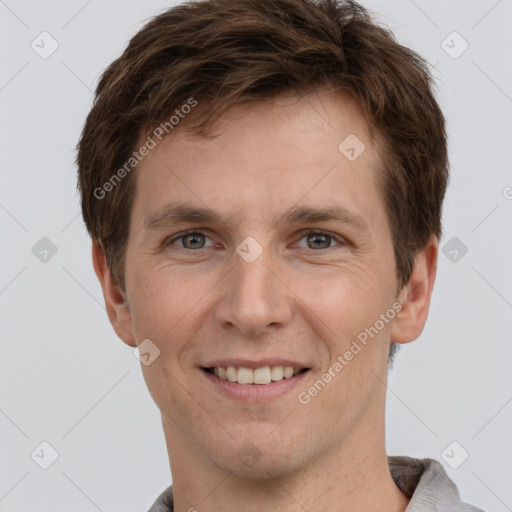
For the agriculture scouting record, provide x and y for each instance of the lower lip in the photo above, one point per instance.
(255, 392)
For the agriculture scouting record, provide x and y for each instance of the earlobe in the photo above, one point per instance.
(115, 300)
(415, 296)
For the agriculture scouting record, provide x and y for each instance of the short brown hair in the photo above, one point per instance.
(224, 52)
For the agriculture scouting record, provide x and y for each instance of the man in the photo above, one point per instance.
(263, 181)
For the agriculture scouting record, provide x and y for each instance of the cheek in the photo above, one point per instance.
(165, 310)
(163, 302)
(357, 339)
(346, 298)
(166, 384)
(161, 307)
(350, 307)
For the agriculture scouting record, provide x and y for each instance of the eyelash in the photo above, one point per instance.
(339, 241)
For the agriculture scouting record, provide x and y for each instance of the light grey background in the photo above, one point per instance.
(66, 379)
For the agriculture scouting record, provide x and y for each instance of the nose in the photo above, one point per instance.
(254, 297)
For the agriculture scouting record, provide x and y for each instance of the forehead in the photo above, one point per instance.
(265, 158)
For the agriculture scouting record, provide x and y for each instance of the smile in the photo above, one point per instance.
(262, 376)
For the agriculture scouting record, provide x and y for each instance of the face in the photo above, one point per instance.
(285, 263)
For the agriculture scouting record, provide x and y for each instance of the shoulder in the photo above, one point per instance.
(164, 502)
(427, 485)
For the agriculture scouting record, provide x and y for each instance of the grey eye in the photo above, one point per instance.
(319, 240)
(193, 240)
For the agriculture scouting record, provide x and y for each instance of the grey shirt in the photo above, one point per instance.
(424, 481)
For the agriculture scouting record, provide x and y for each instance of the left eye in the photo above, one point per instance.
(318, 240)
(197, 240)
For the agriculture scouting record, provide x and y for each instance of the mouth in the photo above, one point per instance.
(261, 376)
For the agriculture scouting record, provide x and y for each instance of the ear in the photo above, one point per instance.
(415, 296)
(115, 301)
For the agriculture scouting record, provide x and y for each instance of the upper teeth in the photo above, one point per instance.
(263, 375)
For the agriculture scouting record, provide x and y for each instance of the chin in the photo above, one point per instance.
(263, 469)
(261, 458)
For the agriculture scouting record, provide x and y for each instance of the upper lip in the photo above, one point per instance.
(252, 363)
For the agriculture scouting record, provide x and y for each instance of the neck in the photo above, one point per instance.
(353, 476)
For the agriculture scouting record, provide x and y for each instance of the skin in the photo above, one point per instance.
(295, 301)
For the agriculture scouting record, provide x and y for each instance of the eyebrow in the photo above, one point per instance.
(170, 215)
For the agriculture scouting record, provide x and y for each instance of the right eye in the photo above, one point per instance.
(190, 240)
